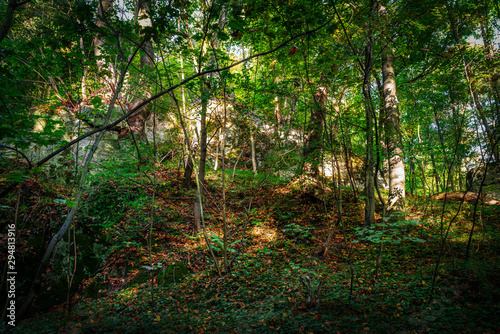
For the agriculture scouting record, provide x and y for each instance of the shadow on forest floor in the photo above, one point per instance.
(277, 282)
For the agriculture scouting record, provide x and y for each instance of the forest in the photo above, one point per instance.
(249, 166)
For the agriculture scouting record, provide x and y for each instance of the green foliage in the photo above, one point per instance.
(173, 273)
(298, 233)
(389, 232)
(218, 244)
(276, 283)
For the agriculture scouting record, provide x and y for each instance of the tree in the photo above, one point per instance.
(396, 200)
(481, 113)
(9, 17)
(314, 133)
(321, 98)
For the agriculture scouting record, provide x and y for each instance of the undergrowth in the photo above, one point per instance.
(278, 281)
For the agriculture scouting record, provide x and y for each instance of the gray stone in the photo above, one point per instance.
(491, 185)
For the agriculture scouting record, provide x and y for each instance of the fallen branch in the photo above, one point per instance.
(467, 197)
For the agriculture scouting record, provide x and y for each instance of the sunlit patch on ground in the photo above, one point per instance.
(263, 234)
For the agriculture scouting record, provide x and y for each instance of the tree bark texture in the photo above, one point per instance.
(396, 200)
(187, 182)
(369, 191)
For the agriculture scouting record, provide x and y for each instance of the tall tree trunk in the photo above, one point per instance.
(369, 191)
(83, 84)
(217, 146)
(137, 121)
(422, 163)
(412, 175)
(436, 173)
(252, 146)
(203, 159)
(205, 95)
(187, 182)
(277, 112)
(396, 200)
(188, 162)
(252, 137)
(347, 148)
(443, 149)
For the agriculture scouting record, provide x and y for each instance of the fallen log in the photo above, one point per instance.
(457, 196)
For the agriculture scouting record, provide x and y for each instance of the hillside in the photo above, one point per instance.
(277, 281)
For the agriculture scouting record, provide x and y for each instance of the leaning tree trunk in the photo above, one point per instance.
(9, 18)
(35, 287)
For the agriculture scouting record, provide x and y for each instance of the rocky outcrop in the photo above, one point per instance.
(66, 125)
(491, 184)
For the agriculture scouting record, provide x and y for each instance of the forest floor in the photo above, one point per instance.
(280, 280)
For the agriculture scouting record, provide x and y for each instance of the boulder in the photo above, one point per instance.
(491, 185)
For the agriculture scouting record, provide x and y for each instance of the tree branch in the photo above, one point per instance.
(9, 17)
(16, 150)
